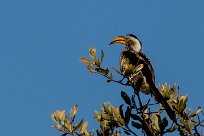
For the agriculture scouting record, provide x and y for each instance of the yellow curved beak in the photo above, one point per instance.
(119, 39)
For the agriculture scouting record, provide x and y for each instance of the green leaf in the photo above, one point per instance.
(75, 109)
(91, 68)
(97, 63)
(126, 98)
(105, 116)
(157, 123)
(121, 111)
(104, 124)
(136, 125)
(68, 127)
(83, 127)
(73, 112)
(86, 61)
(54, 118)
(97, 115)
(133, 101)
(106, 107)
(117, 115)
(127, 115)
(66, 120)
(102, 56)
(182, 103)
(135, 117)
(184, 122)
(92, 53)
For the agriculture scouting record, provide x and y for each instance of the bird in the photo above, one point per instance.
(131, 57)
(136, 67)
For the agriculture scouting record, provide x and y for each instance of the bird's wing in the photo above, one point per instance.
(144, 60)
(149, 72)
(128, 61)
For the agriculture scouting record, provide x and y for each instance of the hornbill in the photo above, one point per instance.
(133, 57)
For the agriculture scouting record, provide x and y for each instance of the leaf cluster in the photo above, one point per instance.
(94, 65)
(109, 119)
(136, 114)
(68, 125)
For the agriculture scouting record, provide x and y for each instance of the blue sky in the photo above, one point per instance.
(41, 42)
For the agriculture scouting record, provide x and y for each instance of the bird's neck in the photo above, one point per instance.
(137, 47)
(133, 49)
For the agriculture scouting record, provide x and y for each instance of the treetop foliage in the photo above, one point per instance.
(134, 115)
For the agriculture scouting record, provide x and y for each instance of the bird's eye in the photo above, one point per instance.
(127, 40)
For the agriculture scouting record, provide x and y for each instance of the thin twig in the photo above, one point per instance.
(153, 104)
(128, 129)
(116, 81)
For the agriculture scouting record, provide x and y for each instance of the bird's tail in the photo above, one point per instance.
(161, 100)
(146, 85)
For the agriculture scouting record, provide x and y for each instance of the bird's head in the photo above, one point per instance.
(130, 41)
